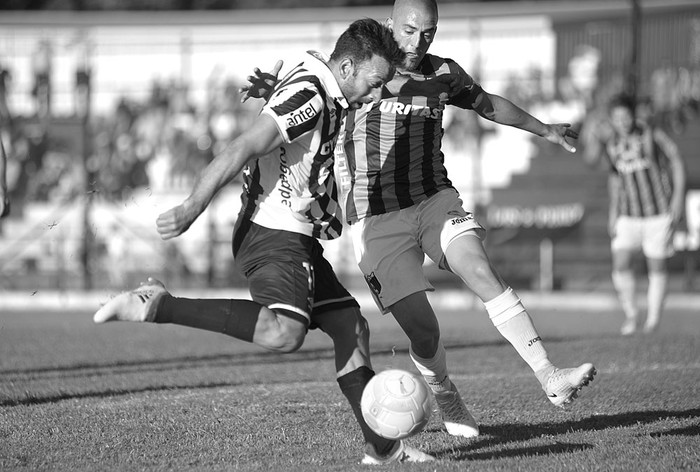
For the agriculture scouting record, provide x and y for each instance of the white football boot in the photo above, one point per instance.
(136, 305)
(562, 385)
(458, 420)
(402, 453)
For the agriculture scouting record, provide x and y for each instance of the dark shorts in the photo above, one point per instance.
(287, 272)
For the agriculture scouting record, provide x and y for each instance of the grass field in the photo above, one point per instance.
(123, 396)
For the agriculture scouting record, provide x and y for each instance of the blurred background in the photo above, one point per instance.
(109, 109)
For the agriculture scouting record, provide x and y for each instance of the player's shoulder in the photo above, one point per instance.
(441, 65)
(298, 93)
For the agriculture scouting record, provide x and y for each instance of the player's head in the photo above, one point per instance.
(364, 59)
(621, 109)
(414, 23)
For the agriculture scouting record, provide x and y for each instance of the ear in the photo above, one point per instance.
(346, 68)
(389, 23)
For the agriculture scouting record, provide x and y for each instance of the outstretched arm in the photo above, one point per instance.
(260, 139)
(678, 174)
(4, 201)
(502, 111)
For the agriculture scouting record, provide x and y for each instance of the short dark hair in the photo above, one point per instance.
(622, 101)
(366, 38)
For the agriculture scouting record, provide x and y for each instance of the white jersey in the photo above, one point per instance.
(293, 188)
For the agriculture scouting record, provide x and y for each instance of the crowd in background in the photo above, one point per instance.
(163, 142)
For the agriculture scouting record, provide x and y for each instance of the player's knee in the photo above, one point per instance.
(289, 338)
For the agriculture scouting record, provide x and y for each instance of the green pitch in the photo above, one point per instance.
(75, 396)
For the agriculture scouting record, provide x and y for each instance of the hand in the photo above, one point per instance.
(176, 221)
(261, 84)
(557, 134)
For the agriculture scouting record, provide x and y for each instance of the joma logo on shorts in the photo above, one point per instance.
(464, 219)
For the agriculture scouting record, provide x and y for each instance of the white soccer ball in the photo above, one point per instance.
(396, 404)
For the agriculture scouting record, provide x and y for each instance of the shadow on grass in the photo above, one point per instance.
(503, 434)
(215, 360)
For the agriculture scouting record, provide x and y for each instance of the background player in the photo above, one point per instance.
(647, 200)
(4, 194)
(289, 201)
(402, 206)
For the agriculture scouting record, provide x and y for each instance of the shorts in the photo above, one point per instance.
(390, 248)
(287, 273)
(653, 235)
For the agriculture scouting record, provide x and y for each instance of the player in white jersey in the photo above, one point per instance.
(647, 199)
(402, 207)
(289, 200)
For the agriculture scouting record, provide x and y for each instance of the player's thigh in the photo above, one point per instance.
(389, 256)
(278, 266)
(334, 309)
(467, 258)
(657, 242)
(442, 220)
(628, 235)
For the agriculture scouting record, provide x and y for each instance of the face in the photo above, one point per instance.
(414, 24)
(362, 82)
(622, 120)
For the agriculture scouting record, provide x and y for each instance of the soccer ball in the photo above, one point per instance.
(396, 404)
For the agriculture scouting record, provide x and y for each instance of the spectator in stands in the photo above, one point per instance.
(647, 201)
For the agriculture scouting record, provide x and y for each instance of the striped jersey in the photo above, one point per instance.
(391, 158)
(644, 172)
(293, 188)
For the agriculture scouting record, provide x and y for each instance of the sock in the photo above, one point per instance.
(510, 318)
(236, 318)
(656, 296)
(624, 283)
(352, 384)
(434, 370)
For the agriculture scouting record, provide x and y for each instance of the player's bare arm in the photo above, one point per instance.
(502, 111)
(678, 174)
(260, 139)
(4, 201)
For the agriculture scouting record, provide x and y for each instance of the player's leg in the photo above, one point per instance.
(624, 282)
(277, 266)
(242, 319)
(624, 244)
(467, 258)
(416, 317)
(392, 262)
(337, 314)
(656, 293)
(658, 248)
(452, 238)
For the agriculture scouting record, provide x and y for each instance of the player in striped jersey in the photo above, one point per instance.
(647, 201)
(402, 206)
(289, 200)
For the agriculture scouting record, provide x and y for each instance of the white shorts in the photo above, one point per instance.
(390, 248)
(653, 235)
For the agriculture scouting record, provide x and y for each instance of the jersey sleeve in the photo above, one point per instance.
(466, 98)
(296, 109)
